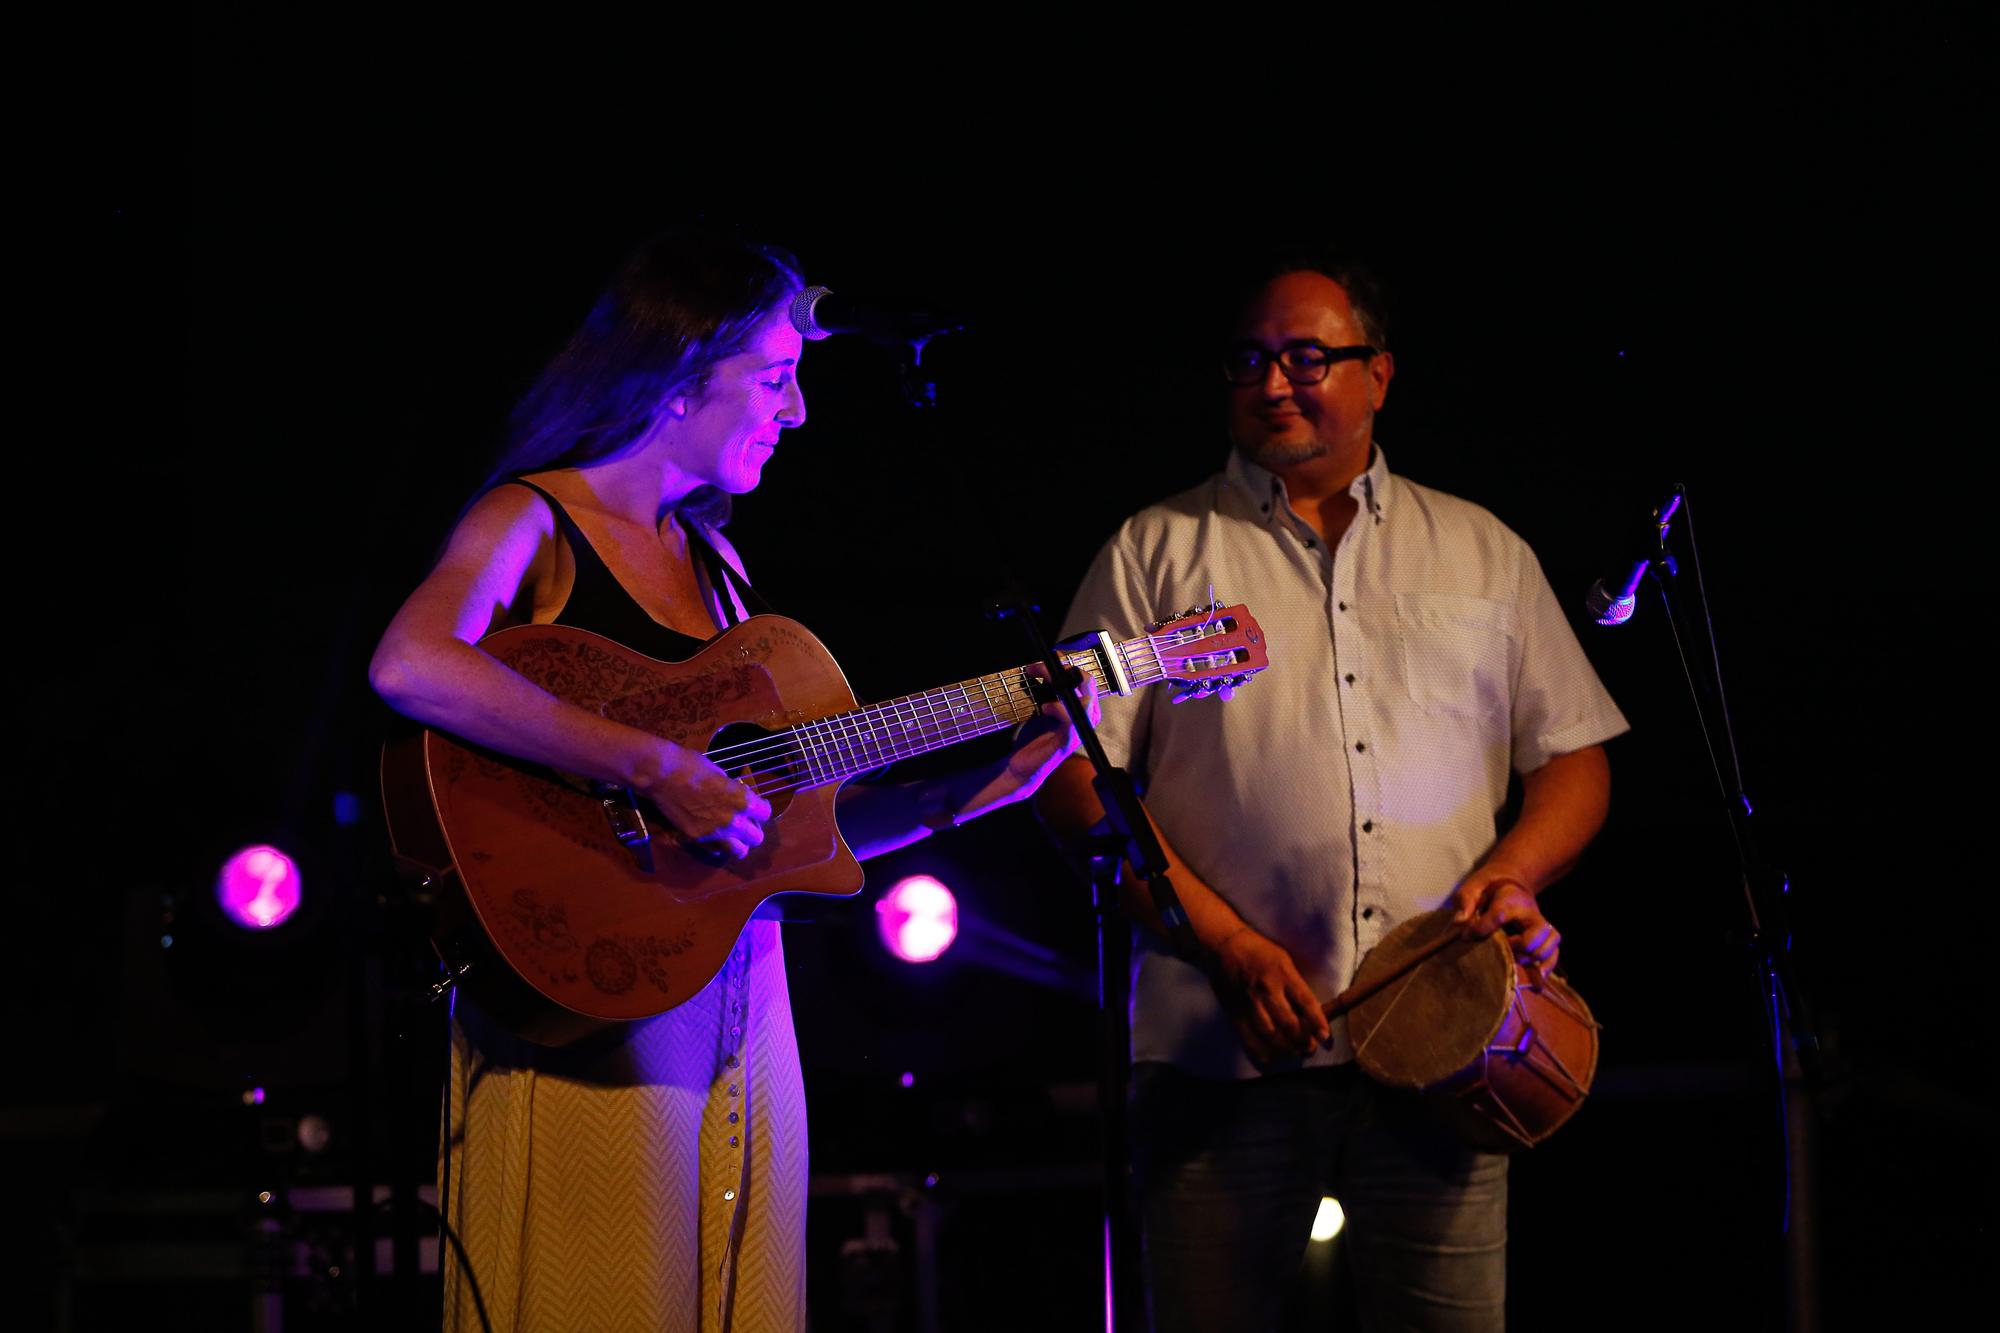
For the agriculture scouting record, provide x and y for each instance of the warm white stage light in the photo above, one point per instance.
(1328, 1221)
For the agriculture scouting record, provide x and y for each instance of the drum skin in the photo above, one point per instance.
(1504, 1061)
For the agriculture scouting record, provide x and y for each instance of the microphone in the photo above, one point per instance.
(817, 313)
(1615, 608)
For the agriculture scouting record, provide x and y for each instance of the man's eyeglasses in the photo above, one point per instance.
(1302, 363)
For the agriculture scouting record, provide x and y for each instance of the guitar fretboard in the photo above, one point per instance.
(843, 745)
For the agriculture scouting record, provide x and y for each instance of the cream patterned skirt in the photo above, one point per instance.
(653, 1179)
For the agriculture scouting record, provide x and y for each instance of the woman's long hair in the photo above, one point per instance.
(684, 300)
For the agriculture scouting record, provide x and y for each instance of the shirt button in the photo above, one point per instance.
(1361, 745)
(731, 1062)
(732, 1089)
(1350, 678)
(1367, 826)
(1341, 605)
(732, 1117)
(1367, 913)
(732, 1140)
(728, 1194)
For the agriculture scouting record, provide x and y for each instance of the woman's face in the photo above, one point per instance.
(732, 426)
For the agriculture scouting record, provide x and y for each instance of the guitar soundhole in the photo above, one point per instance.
(770, 763)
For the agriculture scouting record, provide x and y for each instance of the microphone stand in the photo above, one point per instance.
(1799, 1064)
(1131, 839)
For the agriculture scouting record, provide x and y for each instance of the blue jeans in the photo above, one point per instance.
(1229, 1174)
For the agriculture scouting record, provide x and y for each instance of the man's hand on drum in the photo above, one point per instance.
(1276, 1015)
(1492, 898)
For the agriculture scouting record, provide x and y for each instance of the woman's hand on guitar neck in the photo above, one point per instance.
(704, 804)
(1049, 737)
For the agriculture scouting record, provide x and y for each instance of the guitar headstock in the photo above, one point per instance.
(1209, 650)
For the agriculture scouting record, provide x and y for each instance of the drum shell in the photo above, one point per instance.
(1505, 1062)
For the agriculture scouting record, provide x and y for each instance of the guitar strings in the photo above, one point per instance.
(843, 744)
(926, 721)
(912, 712)
(963, 726)
(801, 777)
(882, 709)
(855, 721)
(840, 752)
(848, 743)
(816, 760)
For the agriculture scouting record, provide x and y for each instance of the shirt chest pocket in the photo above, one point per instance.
(1456, 653)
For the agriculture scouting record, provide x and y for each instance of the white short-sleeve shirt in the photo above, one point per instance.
(1354, 782)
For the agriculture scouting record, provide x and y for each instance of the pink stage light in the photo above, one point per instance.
(917, 919)
(258, 887)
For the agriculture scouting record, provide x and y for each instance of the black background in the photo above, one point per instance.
(296, 276)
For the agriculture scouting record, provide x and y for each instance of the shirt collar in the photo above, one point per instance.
(1265, 491)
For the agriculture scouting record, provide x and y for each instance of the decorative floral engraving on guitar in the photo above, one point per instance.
(537, 932)
(491, 767)
(688, 708)
(573, 814)
(583, 673)
(616, 962)
(653, 951)
(611, 966)
(577, 816)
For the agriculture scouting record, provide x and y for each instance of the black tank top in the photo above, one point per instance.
(599, 603)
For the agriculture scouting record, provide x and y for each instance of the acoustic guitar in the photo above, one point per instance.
(565, 905)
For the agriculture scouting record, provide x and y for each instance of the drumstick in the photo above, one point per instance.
(1361, 990)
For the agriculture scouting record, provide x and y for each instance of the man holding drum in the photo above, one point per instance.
(1418, 656)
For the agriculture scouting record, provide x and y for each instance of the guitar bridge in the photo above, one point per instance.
(628, 825)
(627, 821)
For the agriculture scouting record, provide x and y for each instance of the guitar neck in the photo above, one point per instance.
(1201, 650)
(843, 745)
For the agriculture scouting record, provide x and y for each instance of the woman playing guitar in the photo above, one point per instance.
(654, 1175)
